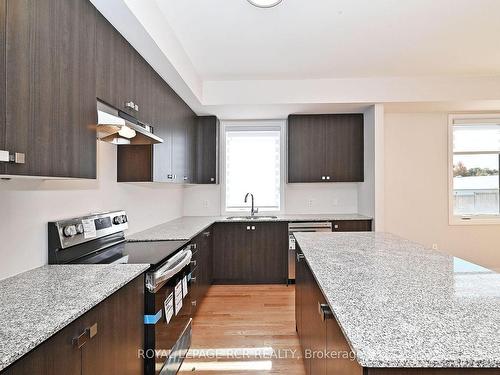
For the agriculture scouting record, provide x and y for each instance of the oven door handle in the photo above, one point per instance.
(167, 271)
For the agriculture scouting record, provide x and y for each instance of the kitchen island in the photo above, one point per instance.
(396, 306)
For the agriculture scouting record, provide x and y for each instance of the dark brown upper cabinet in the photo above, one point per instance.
(325, 148)
(115, 67)
(48, 96)
(188, 153)
(206, 149)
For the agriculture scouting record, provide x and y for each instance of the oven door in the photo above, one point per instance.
(168, 324)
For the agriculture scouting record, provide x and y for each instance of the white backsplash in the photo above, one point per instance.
(204, 200)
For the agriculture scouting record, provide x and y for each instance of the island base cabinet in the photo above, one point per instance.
(105, 340)
(324, 348)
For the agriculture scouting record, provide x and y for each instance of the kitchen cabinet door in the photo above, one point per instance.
(143, 89)
(306, 148)
(344, 148)
(134, 163)
(57, 355)
(336, 343)
(179, 134)
(115, 67)
(120, 333)
(352, 226)
(269, 253)
(206, 149)
(190, 156)
(162, 152)
(232, 253)
(50, 109)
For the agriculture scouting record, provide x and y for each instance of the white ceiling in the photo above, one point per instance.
(304, 39)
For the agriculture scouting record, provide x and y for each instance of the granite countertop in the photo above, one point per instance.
(402, 305)
(37, 304)
(187, 227)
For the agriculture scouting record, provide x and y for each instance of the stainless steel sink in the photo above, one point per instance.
(251, 217)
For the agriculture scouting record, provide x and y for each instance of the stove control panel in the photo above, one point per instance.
(75, 231)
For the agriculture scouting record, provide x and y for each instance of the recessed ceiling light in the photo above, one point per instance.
(264, 3)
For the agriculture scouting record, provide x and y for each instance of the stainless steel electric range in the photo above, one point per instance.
(100, 239)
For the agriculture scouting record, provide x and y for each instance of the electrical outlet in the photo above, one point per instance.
(310, 203)
(435, 246)
(206, 203)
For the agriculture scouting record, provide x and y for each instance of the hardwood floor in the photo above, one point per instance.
(245, 329)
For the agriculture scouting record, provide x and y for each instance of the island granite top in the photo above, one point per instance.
(37, 304)
(400, 304)
(187, 227)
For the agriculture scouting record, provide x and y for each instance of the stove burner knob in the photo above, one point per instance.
(117, 220)
(69, 231)
(79, 228)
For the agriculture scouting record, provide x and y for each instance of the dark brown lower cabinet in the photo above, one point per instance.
(202, 265)
(118, 324)
(250, 253)
(352, 226)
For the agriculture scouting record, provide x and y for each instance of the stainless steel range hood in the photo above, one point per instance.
(118, 127)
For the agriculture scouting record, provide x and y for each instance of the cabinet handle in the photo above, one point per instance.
(136, 107)
(336, 226)
(253, 227)
(327, 177)
(86, 335)
(193, 263)
(248, 227)
(212, 179)
(300, 256)
(193, 280)
(130, 105)
(194, 246)
(15, 157)
(323, 177)
(193, 303)
(207, 234)
(325, 311)
(186, 178)
(170, 176)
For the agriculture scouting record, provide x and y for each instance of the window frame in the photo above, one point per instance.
(482, 219)
(251, 125)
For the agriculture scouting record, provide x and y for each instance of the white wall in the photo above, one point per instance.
(416, 190)
(27, 205)
(330, 198)
(371, 190)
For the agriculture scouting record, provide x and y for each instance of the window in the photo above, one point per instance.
(474, 169)
(252, 163)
